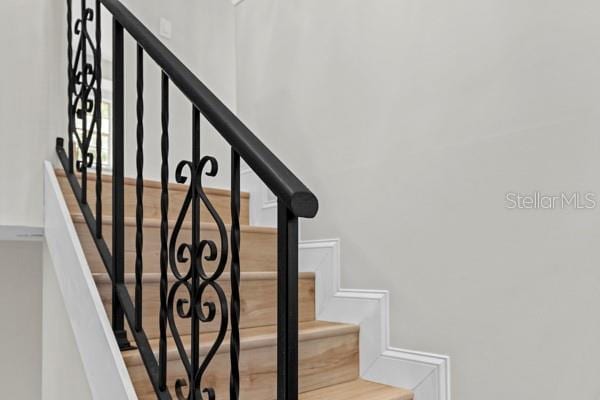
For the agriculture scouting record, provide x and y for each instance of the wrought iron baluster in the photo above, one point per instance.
(195, 325)
(83, 164)
(118, 201)
(194, 281)
(98, 120)
(164, 233)
(139, 186)
(287, 303)
(70, 84)
(294, 200)
(234, 383)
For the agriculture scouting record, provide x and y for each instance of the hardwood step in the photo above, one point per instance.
(220, 198)
(328, 356)
(258, 293)
(258, 248)
(328, 352)
(358, 390)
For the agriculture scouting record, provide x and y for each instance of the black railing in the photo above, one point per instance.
(294, 201)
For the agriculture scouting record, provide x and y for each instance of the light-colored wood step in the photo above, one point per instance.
(328, 352)
(219, 198)
(358, 390)
(258, 252)
(328, 356)
(258, 293)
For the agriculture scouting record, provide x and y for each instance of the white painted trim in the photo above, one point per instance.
(427, 375)
(263, 209)
(104, 366)
(18, 233)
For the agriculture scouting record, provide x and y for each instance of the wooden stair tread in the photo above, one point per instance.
(329, 351)
(258, 251)
(328, 356)
(155, 222)
(155, 276)
(358, 390)
(151, 183)
(258, 304)
(250, 338)
(219, 198)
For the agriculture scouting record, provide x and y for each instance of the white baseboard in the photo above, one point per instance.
(102, 361)
(427, 375)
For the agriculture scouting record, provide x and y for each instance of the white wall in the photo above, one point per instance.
(63, 373)
(21, 313)
(203, 38)
(411, 120)
(33, 79)
(32, 113)
(39, 353)
(32, 104)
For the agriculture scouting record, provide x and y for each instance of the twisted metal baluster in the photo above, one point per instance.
(98, 117)
(234, 383)
(139, 186)
(70, 84)
(164, 231)
(84, 102)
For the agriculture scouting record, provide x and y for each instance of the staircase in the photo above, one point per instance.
(202, 305)
(328, 352)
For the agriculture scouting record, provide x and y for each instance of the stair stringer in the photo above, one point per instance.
(426, 374)
(104, 367)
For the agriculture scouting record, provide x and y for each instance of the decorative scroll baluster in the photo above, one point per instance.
(195, 281)
(164, 227)
(287, 303)
(80, 103)
(70, 84)
(139, 186)
(98, 120)
(234, 383)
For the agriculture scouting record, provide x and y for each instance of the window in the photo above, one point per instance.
(106, 152)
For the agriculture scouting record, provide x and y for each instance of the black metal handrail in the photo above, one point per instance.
(294, 201)
(282, 182)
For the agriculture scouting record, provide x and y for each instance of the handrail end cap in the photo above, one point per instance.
(305, 205)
